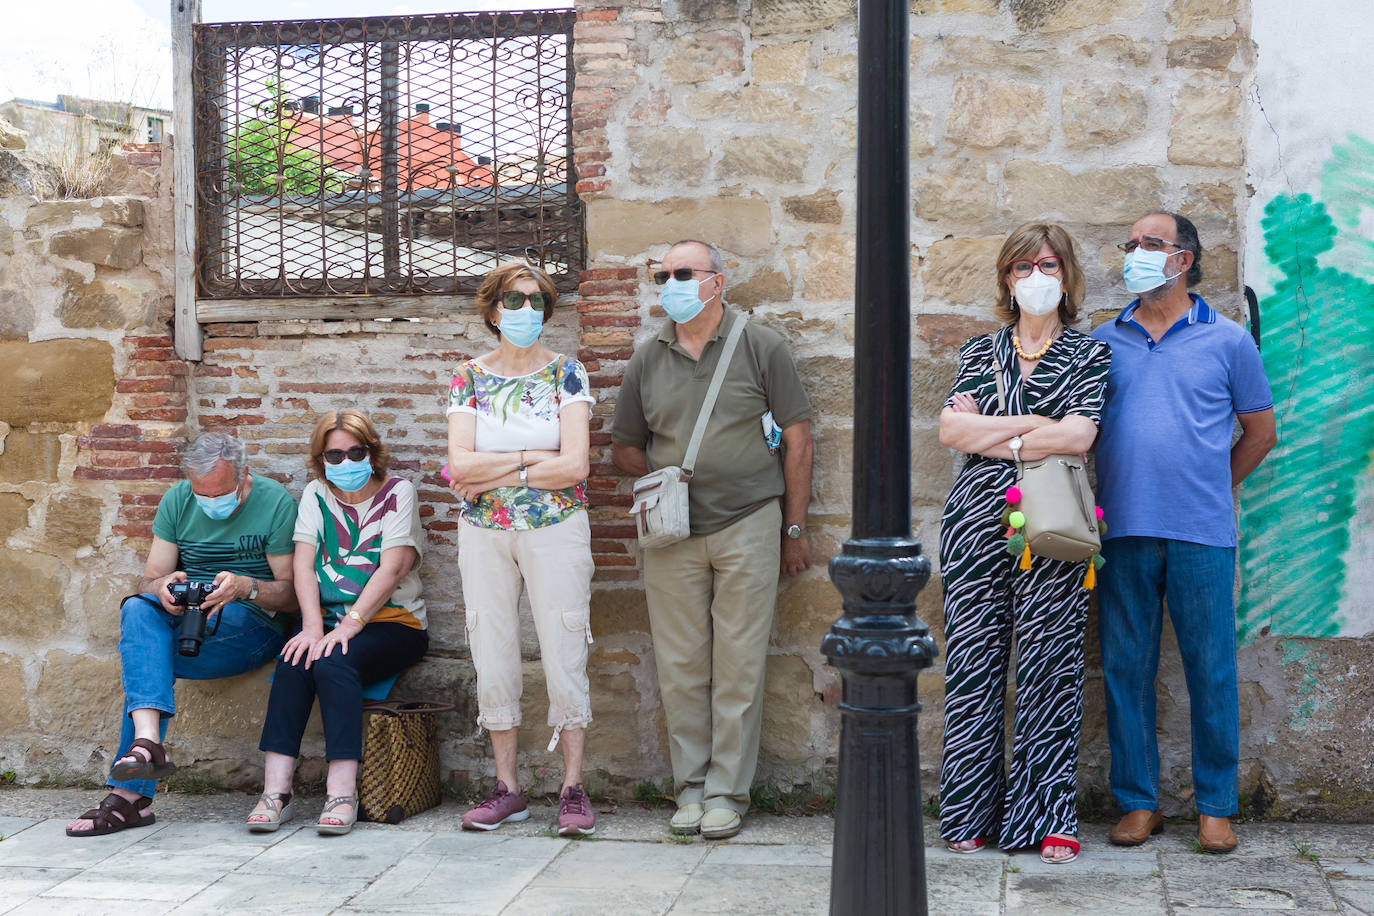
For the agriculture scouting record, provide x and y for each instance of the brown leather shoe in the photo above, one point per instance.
(1136, 827)
(1215, 834)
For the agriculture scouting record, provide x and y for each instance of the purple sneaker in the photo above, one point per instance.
(500, 806)
(575, 814)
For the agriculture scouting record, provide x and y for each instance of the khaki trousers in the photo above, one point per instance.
(711, 601)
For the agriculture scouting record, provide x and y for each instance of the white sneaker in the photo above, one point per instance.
(687, 819)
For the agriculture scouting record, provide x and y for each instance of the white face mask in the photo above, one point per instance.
(1038, 294)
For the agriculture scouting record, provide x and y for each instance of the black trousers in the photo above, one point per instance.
(379, 651)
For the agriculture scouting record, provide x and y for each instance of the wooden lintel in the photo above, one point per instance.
(337, 307)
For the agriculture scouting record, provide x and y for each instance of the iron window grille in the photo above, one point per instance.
(402, 155)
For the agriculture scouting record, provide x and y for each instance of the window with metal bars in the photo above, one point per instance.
(395, 156)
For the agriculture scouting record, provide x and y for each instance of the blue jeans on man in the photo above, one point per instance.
(1198, 583)
(151, 664)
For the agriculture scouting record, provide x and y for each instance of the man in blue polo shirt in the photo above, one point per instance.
(1181, 376)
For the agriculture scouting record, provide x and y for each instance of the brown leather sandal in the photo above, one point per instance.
(155, 767)
(104, 820)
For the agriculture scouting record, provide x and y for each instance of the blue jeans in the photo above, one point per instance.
(151, 664)
(1197, 581)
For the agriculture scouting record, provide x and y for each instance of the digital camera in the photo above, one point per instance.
(190, 595)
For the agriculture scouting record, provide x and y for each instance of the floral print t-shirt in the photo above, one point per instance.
(514, 414)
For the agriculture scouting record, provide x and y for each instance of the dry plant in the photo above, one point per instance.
(80, 174)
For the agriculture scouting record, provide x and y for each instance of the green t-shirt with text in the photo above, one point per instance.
(241, 543)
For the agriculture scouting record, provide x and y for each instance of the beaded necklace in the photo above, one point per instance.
(1030, 357)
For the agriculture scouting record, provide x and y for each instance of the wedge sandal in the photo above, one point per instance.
(348, 822)
(277, 809)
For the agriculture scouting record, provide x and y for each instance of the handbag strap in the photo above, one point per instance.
(997, 371)
(717, 379)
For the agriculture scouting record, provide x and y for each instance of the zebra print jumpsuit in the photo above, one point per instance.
(991, 605)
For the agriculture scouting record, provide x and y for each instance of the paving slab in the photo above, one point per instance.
(964, 885)
(1354, 896)
(602, 901)
(493, 845)
(784, 890)
(63, 906)
(46, 844)
(1196, 880)
(447, 884)
(1062, 894)
(173, 880)
(216, 845)
(9, 826)
(20, 883)
(251, 895)
(782, 854)
(664, 867)
(362, 853)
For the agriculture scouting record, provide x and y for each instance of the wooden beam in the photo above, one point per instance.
(187, 335)
(338, 307)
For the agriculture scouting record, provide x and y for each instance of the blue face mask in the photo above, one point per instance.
(219, 507)
(681, 299)
(521, 326)
(349, 476)
(1144, 270)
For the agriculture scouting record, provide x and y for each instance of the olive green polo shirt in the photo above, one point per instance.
(661, 397)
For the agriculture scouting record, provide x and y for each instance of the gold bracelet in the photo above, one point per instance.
(358, 617)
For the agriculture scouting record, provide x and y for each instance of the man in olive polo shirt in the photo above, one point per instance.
(711, 597)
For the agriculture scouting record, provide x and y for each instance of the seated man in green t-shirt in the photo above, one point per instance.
(222, 525)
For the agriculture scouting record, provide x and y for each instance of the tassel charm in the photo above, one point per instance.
(1025, 558)
(1090, 580)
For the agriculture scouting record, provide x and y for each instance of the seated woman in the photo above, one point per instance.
(357, 579)
(996, 608)
(518, 432)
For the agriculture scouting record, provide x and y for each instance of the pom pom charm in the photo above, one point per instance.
(1016, 544)
(1017, 519)
(1098, 511)
(1014, 495)
(1006, 516)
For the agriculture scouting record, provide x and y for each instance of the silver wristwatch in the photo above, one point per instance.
(253, 592)
(793, 531)
(524, 476)
(1015, 446)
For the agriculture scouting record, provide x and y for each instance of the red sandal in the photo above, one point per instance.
(103, 816)
(1059, 839)
(155, 767)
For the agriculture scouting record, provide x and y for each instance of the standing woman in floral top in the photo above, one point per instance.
(518, 431)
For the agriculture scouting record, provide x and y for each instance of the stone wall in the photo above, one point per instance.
(721, 119)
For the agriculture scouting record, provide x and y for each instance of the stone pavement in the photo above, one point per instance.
(198, 859)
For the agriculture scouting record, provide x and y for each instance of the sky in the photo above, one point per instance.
(121, 50)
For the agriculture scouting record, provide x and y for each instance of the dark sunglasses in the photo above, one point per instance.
(514, 299)
(682, 274)
(337, 455)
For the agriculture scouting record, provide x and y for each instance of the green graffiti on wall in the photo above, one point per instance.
(1318, 347)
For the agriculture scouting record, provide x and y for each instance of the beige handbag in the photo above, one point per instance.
(1056, 500)
(660, 497)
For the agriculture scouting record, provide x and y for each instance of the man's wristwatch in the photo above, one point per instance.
(793, 531)
(1015, 446)
(253, 592)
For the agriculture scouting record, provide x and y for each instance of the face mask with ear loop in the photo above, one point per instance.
(1144, 270)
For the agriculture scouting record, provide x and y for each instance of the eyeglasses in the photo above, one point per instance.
(514, 299)
(1049, 266)
(337, 455)
(1149, 243)
(682, 273)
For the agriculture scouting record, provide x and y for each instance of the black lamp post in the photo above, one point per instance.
(879, 645)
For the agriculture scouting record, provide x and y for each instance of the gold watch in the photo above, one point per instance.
(358, 617)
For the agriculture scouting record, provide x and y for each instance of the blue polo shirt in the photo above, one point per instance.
(1164, 450)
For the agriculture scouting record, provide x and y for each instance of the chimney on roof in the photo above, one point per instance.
(341, 110)
(421, 107)
(484, 160)
(441, 125)
(310, 104)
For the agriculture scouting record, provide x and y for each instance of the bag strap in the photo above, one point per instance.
(717, 379)
(997, 371)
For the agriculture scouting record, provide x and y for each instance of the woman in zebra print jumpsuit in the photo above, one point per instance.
(1055, 379)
